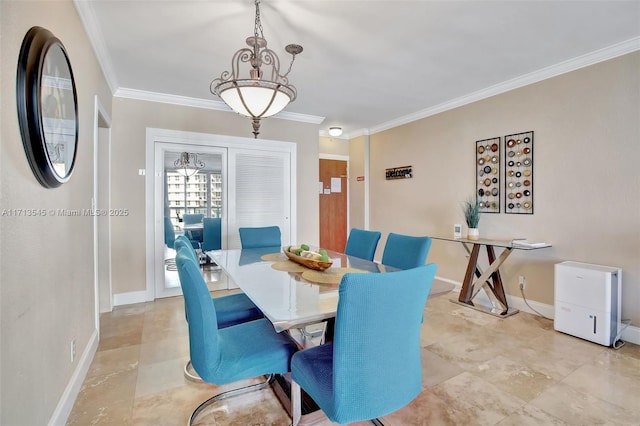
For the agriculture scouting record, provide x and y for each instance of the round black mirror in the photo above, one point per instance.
(47, 107)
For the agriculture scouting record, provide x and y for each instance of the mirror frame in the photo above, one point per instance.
(37, 43)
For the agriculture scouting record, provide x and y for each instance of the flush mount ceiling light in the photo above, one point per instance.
(264, 91)
(335, 131)
(188, 164)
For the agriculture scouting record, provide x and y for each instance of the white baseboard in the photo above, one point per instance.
(131, 297)
(63, 409)
(630, 334)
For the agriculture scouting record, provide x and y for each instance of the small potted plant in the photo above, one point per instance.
(471, 210)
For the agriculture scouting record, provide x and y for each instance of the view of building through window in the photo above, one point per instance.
(200, 193)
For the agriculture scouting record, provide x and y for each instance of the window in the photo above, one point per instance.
(201, 193)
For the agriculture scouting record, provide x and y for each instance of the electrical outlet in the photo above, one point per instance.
(73, 350)
(521, 281)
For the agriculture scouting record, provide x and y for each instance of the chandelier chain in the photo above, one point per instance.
(293, 58)
(258, 24)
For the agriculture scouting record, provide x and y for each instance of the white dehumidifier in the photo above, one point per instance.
(588, 301)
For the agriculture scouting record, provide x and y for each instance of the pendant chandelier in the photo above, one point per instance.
(264, 91)
(188, 164)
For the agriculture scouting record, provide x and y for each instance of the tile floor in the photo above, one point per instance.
(477, 370)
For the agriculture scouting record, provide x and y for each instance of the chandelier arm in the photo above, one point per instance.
(185, 161)
(243, 55)
(268, 57)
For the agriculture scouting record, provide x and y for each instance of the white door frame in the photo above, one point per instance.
(100, 116)
(154, 212)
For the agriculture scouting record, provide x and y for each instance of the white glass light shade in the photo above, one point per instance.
(335, 131)
(256, 98)
(187, 171)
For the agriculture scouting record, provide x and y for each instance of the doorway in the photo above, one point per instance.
(101, 203)
(333, 204)
(198, 193)
(244, 164)
(193, 186)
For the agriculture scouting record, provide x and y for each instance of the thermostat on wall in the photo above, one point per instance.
(457, 231)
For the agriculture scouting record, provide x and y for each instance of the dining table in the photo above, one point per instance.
(291, 296)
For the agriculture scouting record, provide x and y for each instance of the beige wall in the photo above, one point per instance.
(586, 177)
(131, 118)
(357, 189)
(46, 263)
(334, 146)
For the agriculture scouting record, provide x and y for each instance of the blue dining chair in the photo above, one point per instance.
(212, 234)
(405, 251)
(194, 235)
(231, 310)
(266, 236)
(373, 366)
(169, 232)
(226, 355)
(169, 240)
(362, 243)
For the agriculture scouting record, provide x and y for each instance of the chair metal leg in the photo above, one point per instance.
(296, 404)
(228, 394)
(190, 374)
(307, 335)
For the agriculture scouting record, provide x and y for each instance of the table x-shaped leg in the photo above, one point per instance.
(494, 289)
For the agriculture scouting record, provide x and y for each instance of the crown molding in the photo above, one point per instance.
(90, 23)
(564, 67)
(143, 95)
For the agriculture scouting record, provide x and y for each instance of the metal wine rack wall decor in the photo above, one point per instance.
(488, 175)
(518, 173)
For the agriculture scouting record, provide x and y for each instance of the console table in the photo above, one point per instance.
(475, 279)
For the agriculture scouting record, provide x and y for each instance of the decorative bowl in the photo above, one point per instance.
(309, 263)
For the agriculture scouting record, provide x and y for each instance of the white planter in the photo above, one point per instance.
(473, 234)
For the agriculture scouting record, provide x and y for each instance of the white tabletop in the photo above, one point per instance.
(192, 226)
(285, 298)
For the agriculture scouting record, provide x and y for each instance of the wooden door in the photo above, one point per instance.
(333, 204)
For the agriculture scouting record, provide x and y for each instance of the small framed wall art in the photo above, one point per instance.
(488, 175)
(518, 173)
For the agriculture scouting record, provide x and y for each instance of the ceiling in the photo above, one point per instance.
(366, 66)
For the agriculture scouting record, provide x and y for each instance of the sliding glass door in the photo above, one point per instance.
(244, 182)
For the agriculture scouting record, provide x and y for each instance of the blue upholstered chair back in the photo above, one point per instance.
(212, 237)
(405, 251)
(169, 232)
(191, 218)
(267, 236)
(183, 241)
(362, 243)
(203, 322)
(376, 348)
